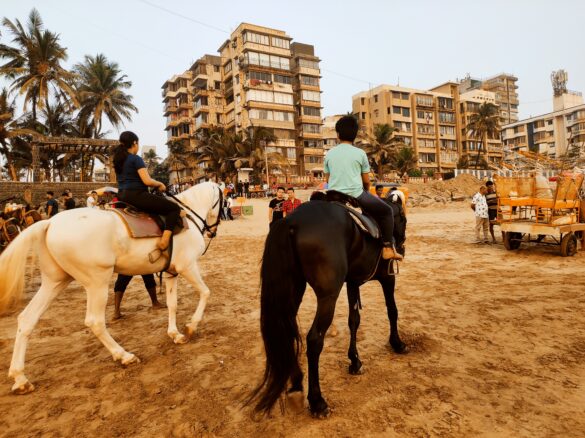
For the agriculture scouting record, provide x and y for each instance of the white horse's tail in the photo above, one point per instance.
(13, 263)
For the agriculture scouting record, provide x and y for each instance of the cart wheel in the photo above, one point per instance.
(253, 195)
(512, 240)
(569, 245)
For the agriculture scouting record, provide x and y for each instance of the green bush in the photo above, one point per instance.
(430, 173)
(415, 173)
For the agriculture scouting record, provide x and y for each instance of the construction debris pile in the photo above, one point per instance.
(460, 188)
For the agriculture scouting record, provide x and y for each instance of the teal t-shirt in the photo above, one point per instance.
(345, 164)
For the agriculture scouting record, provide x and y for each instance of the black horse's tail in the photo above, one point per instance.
(278, 323)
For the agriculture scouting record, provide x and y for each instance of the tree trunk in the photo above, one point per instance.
(9, 162)
(478, 155)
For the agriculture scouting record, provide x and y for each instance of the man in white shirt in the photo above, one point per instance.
(91, 201)
(479, 205)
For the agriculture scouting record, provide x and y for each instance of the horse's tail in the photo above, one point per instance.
(279, 306)
(13, 262)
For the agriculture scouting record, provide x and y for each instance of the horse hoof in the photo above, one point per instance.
(189, 332)
(401, 348)
(130, 359)
(296, 402)
(321, 414)
(180, 339)
(355, 371)
(24, 388)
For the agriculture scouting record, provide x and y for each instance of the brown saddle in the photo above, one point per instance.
(365, 223)
(140, 224)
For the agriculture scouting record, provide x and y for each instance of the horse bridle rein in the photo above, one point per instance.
(205, 226)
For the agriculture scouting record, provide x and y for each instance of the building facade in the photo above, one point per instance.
(433, 122)
(259, 79)
(550, 134)
(505, 92)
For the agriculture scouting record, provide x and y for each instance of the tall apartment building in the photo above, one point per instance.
(328, 131)
(505, 92)
(178, 107)
(260, 79)
(551, 134)
(433, 122)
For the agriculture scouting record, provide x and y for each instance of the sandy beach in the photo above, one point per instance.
(497, 345)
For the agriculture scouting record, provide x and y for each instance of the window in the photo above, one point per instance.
(311, 111)
(448, 145)
(388, 110)
(425, 115)
(306, 63)
(310, 80)
(218, 101)
(396, 94)
(313, 96)
(281, 79)
(363, 101)
(426, 143)
(280, 42)
(376, 113)
(427, 158)
(291, 153)
(446, 130)
(313, 159)
(425, 129)
(282, 116)
(445, 103)
(283, 98)
(227, 68)
(257, 38)
(259, 76)
(424, 100)
(311, 144)
(406, 140)
(311, 128)
(406, 112)
(446, 117)
(265, 60)
(217, 85)
(396, 110)
(229, 116)
(216, 68)
(405, 96)
(279, 116)
(363, 116)
(376, 98)
(200, 119)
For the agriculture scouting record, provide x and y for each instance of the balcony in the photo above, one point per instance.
(169, 95)
(185, 105)
(200, 108)
(170, 108)
(200, 80)
(248, 45)
(182, 90)
(308, 71)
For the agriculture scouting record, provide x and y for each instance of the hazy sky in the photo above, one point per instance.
(421, 43)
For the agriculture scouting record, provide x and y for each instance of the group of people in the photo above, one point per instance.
(280, 206)
(485, 206)
(52, 206)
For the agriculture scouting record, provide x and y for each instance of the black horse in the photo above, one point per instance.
(319, 244)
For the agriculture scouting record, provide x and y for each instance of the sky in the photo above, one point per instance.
(415, 43)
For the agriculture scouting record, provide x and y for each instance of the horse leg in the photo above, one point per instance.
(294, 395)
(95, 319)
(353, 291)
(173, 332)
(193, 276)
(388, 284)
(27, 321)
(315, 340)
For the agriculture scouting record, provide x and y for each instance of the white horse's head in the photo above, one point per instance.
(206, 200)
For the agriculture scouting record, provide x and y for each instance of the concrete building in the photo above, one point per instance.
(505, 92)
(328, 131)
(178, 107)
(553, 133)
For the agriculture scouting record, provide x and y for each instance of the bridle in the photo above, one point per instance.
(212, 229)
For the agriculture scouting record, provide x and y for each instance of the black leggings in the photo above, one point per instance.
(150, 203)
(123, 280)
(380, 211)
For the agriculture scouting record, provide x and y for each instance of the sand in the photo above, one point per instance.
(497, 344)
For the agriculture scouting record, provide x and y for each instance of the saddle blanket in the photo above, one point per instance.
(140, 224)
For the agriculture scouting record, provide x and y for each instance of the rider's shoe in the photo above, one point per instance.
(390, 253)
(164, 241)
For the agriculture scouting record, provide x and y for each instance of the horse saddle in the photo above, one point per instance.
(140, 224)
(365, 223)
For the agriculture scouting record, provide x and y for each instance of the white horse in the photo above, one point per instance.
(89, 245)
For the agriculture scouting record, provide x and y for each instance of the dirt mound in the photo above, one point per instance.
(457, 189)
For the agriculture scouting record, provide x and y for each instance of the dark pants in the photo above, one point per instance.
(380, 211)
(150, 203)
(123, 280)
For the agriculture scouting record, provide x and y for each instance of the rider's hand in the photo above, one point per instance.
(162, 188)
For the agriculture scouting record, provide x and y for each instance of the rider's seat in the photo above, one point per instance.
(141, 224)
(364, 222)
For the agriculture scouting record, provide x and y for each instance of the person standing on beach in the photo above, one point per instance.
(275, 208)
(52, 207)
(292, 203)
(492, 203)
(480, 207)
(120, 288)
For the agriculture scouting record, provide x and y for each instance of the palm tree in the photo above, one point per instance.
(381, 146)
(179, 154)
(151, 159)
(9, 129)
(34, 64)
(100, 87)
(483, 124)
(404, 160)
(217, 149)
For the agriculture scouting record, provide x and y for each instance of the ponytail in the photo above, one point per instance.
(127, 139)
